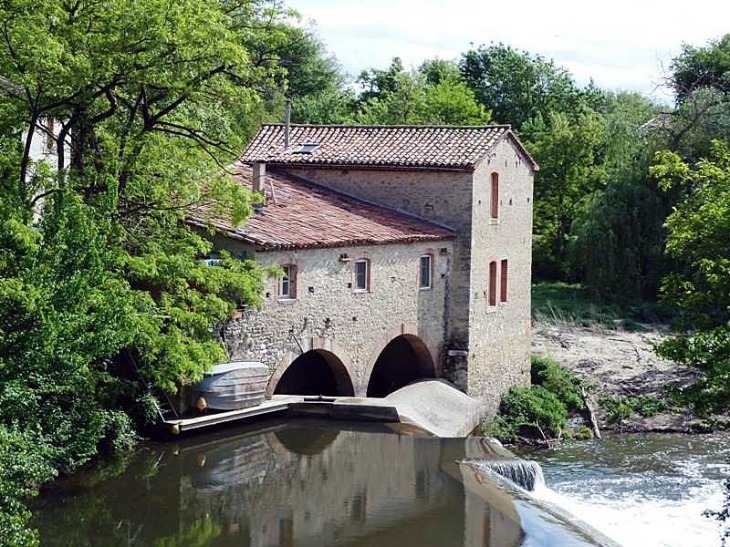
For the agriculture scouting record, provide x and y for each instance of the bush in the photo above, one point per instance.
(23, 466)
(546, 405)
(558, 380)
(647, 406)
(534, 406)
(616, 410)
(583, 433)
(619, 409)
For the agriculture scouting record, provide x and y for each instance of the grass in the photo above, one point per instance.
(559, 302)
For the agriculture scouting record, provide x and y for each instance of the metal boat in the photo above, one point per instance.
(232, 386)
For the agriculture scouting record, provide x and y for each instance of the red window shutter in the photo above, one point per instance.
(503, 282)
(495, 196)
(492, 283)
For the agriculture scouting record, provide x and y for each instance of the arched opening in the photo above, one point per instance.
(404, 360)
(315, 372)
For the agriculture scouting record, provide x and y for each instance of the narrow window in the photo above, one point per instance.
(493, 283)
(424, 277)
(503, 282)
(495, 196)
(288, 283)
(362, 275)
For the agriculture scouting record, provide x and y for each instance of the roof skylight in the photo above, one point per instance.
(307, 148)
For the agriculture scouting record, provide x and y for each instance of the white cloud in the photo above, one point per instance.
(621, 44)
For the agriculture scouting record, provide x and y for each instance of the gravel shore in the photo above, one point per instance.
(619, 363)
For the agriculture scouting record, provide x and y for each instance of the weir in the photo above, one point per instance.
(524, 473)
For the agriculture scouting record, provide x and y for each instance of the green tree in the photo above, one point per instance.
(698, 238)
(304, 71)
(617, 241)
(96, 259)
(702, 67)
(570, 173)
(435, 94)
(517, 86)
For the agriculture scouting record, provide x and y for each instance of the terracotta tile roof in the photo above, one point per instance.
(307, 215)
(419, 147)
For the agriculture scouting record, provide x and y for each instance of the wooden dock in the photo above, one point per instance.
(434, 406)
(277, 404)
(342, 408)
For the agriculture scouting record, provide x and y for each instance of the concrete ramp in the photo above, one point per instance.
(438, 407)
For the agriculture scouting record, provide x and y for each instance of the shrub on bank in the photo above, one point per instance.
(539, 411)
(23, 466)
(558, 380)
(619, 409)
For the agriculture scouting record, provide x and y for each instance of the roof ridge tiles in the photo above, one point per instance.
(386, 126)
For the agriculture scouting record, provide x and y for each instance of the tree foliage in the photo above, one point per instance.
(570, 174)
(702, 67)
(698, 238)
(96, 259)
(617, 241)
(433, 95)
(518, 86)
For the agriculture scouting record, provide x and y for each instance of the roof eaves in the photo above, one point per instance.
(354, 243)
(232, 233)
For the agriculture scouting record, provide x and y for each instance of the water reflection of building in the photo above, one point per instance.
(288, 486)
(322, 487)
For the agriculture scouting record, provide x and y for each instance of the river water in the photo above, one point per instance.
(641, 489)
(301, 483)
(315, 483)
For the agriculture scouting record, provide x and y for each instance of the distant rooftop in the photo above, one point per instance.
(660, 121)
(307, 215)
(396, 146)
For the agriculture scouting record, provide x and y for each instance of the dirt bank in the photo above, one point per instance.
(618, 363)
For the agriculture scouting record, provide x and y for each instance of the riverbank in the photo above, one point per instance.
(620, 365)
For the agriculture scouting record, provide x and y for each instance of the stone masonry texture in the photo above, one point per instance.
(482, 349)
(328, 314)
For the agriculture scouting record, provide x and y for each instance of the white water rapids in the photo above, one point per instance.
(642, 490)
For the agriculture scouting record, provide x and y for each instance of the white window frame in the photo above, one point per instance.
(290, 271)
(366, 288)
(429, 285)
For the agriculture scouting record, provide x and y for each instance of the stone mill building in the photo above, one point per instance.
(405, 252)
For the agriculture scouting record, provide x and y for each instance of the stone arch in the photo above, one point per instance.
(321, 369)
(404, 358)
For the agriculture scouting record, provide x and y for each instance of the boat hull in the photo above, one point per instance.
(233, 386)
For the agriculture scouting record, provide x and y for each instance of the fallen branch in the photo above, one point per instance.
(589, 412)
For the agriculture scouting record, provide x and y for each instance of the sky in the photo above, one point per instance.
(620, 44)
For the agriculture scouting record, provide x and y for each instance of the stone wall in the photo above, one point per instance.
(499, 336)
(439, 196)
(328, 314)
(486, 347)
